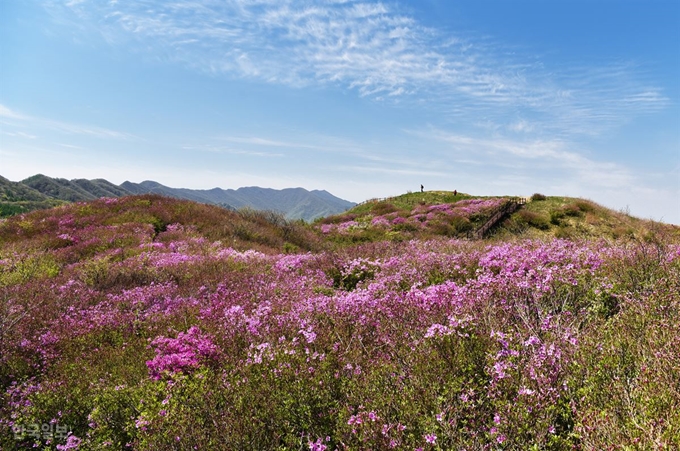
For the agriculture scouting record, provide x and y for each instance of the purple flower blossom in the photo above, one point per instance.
(380, 221)
(326, 228)
(532, 340)
(282, 319)
(72, 442)
(317, 446)
(182, 354)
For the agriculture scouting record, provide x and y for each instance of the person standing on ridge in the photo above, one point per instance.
(421, 188)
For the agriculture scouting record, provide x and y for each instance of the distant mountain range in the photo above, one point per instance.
(41, 191)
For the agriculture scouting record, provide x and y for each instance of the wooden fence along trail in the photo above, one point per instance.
(507, 208)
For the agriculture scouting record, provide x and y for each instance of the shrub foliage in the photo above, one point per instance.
(156, 324)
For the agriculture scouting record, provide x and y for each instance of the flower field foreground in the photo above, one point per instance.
(121, 335)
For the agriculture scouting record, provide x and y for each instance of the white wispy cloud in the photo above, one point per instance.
(374, 49)
(521, 126)
(77, 129)
(8, 113)
(231, 151)
(538, 156)
(24, 120)
(19, 134)
(305, 141)
(391, 171)
(70, 146)
(258, 141)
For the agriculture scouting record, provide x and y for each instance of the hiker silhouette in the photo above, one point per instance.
(421, 188)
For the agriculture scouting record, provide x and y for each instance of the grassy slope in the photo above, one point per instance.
(247, 229)
(622, 375)
(568, 217)
(17, 198)
(409, 201)
(621, 379)
(553, 217)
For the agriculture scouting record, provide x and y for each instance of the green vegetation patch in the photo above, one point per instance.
(203, 334)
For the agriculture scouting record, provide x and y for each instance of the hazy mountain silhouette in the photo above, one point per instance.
(44, 191)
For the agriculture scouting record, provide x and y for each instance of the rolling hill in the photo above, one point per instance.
(41, 191)
(154, 323)
(441, 213)
(17, 198)
(294, 203)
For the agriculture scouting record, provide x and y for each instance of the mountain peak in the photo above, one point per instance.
(294, 203)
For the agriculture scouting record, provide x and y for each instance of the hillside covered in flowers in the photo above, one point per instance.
(150, 323)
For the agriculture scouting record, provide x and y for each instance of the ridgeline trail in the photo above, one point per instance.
(507, 208)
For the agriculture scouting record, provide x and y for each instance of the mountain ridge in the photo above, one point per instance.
(41, 191)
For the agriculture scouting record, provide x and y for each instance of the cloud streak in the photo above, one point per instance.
(539, 157)
(7, 113)
(374, 49)
(231, 151)
(16, 118)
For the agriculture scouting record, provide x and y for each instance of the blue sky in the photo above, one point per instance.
(364, 99)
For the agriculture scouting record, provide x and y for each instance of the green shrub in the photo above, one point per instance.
(534, 219)
(406, 227)
(442, 228)
(572, 210)
(383, 208)
(461, 225)
(585, 206)
(537, 197)
(290, 248)
(556, 217)
(564, 233)
(627, 380)
(623, 232)
(348, 278)
(34, 267)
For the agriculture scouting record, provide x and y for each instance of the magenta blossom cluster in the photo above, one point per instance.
(182, 354)
(421, 217)
(159, 336)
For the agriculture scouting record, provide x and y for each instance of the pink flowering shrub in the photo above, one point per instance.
(380, 221)
(182, 354)
(453, 219)
(412, 344)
